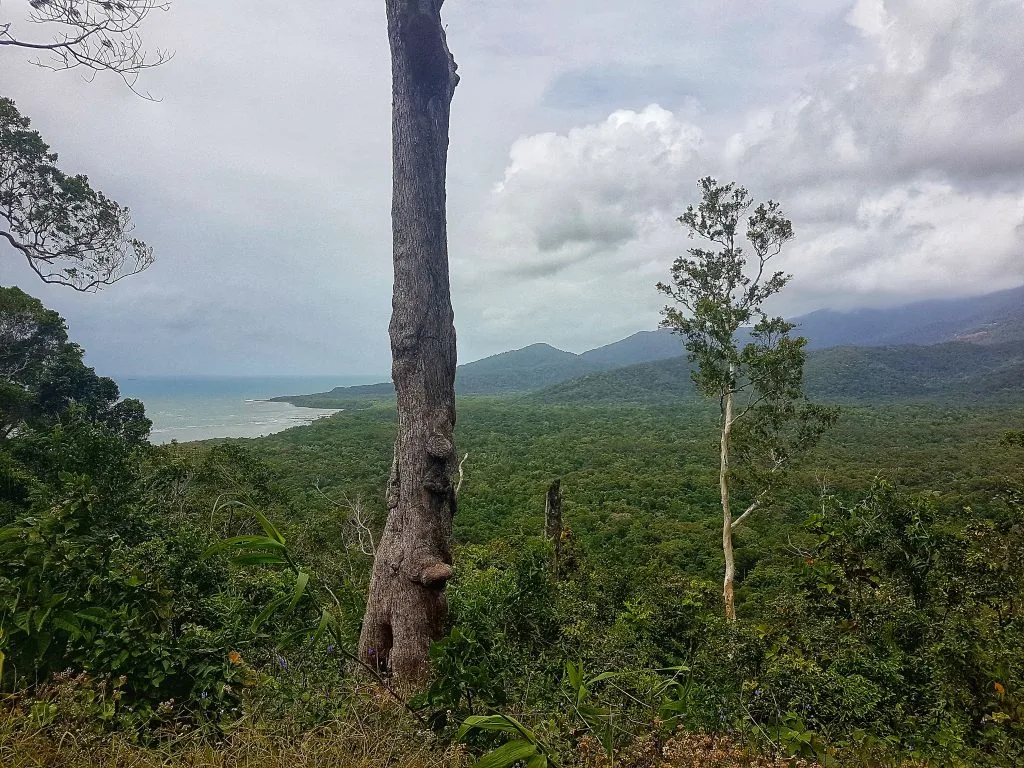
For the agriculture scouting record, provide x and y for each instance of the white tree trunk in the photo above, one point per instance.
(723, 487)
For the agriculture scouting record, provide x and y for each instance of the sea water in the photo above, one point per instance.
(186, 408)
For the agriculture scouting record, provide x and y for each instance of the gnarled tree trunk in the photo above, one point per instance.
(406, 606)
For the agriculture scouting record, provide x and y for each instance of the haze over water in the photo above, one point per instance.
(187, 408)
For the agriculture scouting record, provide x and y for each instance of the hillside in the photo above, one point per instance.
(994, 320)
(943, 372)
(641, 347)
(990, 319)
(519, 370)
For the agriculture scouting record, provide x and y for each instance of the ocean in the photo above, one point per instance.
(186, 408)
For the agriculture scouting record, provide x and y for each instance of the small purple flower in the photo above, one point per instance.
(330, 648)
(282, 663)
(203, 696)
(372, 652)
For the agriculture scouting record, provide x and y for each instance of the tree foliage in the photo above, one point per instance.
(43, 376)
(68, 232)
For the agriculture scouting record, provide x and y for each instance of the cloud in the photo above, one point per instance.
(565, 199)
(909, 169)
(902, 167)
(892, 131)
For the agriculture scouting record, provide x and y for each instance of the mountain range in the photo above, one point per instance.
(924, 349)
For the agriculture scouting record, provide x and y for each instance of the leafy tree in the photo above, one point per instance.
(406, 607)
(100, 571)
(98, 36)
(744, 359)
(68, 232)
(42, 375)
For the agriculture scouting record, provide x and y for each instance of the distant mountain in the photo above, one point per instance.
(642, 347)
(953, 371)
(521, 370)
(990, 319)
(995, 319)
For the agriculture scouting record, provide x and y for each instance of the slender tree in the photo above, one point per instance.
(744, 359)
(406, 606)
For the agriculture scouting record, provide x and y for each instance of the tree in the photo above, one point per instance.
(744, 359)
(97, 35)
(69, 233)
(406, 606)
(43, 377)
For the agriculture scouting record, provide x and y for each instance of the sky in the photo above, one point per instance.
(892, 132)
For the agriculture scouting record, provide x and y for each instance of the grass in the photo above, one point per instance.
(341, 744)
(373, 732)
(379, 735)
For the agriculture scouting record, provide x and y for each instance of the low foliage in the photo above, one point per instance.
(877, 625)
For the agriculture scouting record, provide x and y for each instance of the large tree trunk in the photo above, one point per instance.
(723, 486)
(406, 607)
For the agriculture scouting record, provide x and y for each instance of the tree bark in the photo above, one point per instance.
(723, 487)
(406, 607)
(553, 522)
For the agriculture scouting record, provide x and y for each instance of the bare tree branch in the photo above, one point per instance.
(95, 35)
(747, 513)
(357, 520)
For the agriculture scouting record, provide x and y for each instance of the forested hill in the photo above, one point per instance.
(954, 371)
(889, 368)
(990, 319)
(524, 370)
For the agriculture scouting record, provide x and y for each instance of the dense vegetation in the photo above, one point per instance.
(879, 601)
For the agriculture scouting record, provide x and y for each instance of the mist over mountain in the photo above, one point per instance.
(956, 371)
(989, 319)
(922, 349)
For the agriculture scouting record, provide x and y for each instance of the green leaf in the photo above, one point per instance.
(244, 542)
(325, 620)
(95, 614)
(504, 723)
(575, 675)
(265, 614)
(484, 723)
(69, 622)
(507, 755)
(537, 761)
(268, 526)
(259, 558)
(300, 587)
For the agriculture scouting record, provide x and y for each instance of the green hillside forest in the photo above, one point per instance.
(200, 603)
